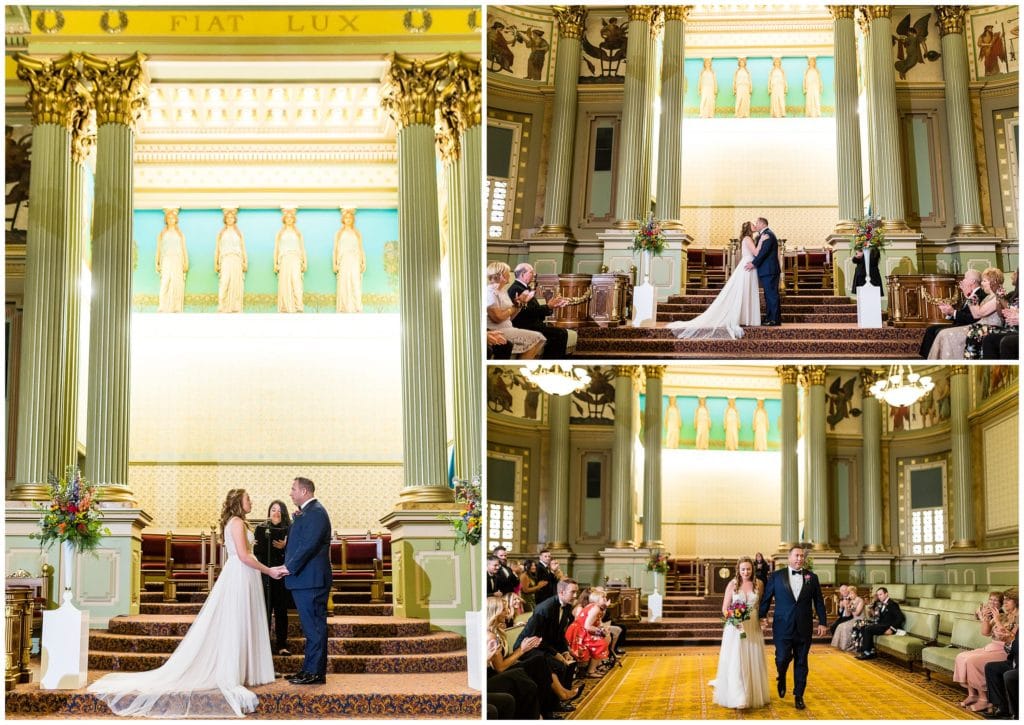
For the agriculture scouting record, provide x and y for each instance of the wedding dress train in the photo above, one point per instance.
(737, 304)
(742, 678)
(226, 648)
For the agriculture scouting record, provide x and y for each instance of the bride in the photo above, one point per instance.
(737, 304)
(226, 647)
(742, 679)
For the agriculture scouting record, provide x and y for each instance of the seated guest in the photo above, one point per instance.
(492, 575)
(970, 286)
(950, 344)
(1002, 685)
(529, 584)
(513, 605)
(889, 618)
(990, 343)
(980, 330)
(588, 638)
(498, 348)
(531, 317)
(549, 621)
(998, 617)
(842, 638)
(841, 611)
(527, 344)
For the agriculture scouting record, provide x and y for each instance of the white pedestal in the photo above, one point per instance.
(654, 606)
(65, 659)
(869, 306)
(645, 305)
(475, 651)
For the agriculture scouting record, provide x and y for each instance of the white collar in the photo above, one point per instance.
(303, 506)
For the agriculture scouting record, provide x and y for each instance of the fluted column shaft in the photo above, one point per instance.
(960, 458)
(851, 191)
(622, 460)
(410, 97)
(629, 182)
(670, 139)
(558, 508)
(872, 113)
(54, 102)
(558, 196)
(652, 457)
(887, 139)
(963, 165)
(790, 513)
(817, 455)
(650, 120)
(871, 490)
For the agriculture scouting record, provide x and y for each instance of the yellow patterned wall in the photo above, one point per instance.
(1001, 475)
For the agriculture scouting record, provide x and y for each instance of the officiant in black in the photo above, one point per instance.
(533, 313)
(860, 277)
(268, 549)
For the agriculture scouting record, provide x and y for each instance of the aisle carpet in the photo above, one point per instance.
(663, 685)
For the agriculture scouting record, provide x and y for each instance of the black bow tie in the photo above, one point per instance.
(794, 572)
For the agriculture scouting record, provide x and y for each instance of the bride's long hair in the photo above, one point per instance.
(232, 507)
(747, 230)
(753, 578)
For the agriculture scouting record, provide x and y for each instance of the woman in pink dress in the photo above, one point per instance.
(587, 637)
(969, 667)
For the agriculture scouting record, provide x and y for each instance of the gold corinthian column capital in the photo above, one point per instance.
(868, 378)
(951, 19)
(654, 371)
(643, 13)
(814, 374)
(788, 373)
(570, 20)
(676, 12)
(55, 88)
(120, 87)
(880, 11)
(412, 88)
(841, 11)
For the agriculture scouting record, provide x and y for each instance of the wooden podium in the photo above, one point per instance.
(914, 298)
(605, 300)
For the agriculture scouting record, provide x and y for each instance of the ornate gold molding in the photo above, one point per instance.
(880, 11)
(120, 87)
(950, 18)
(788, 373)
(447, 141)
(56, 92)
(676, 12)
(815, 374)
(624, 371)
(83, 136)
(841, 11)
(570, 20)
(411, 88)
(459, 104)
(869, 378)
(643, 13)
(958, 370)
(654, 371)
(864, 20)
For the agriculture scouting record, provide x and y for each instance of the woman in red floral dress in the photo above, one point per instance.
(587, 637)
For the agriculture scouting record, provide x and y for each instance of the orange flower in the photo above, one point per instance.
(61, 526)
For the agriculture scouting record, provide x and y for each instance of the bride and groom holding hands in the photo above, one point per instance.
(742, 678)
(227, 647)
(738, 304)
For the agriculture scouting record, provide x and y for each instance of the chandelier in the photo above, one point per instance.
(901, 389)
(556, 379)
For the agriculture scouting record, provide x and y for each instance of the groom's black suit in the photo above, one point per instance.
(793, 623)
(768, 273)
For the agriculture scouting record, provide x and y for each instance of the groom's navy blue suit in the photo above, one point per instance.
(307, 556)
(794, 620)
(768, 273)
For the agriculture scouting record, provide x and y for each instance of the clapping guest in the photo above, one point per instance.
(998, 617)
(529, 584)
(547, 572)
(501, 310)
(841, 610)
(842, 638)
(991, 344)
(268, 548)
(950, 344)
(970, 286)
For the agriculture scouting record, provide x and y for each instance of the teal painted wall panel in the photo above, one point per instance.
(759, 68)
(687, 405)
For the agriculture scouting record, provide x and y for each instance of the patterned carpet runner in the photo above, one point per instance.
(673, 685)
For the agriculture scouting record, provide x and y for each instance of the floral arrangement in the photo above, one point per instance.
(869, 234)
(468, 524)
(738, 613)
(658, 563)
(649, 238)
(70, 514)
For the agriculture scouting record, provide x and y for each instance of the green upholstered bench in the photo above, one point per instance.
(896, 591)
(944, 590)
(916, 591)
(511, 635)
(966, 636)
(921, 627)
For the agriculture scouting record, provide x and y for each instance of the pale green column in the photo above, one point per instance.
(411, 97)
(871, 490)
(558, 195)
(851, 191)
(630, 207)
(54, 101)
(817, 455)
(650, 120)
(652, 457)
(120, 87)
(790, 480)
(890, 204)
(670, 139)
(622, 460)
(960, 458)
(864, 21)
(558, 494)
(460, 151)
(963, 166)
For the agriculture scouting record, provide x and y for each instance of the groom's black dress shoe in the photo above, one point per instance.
(301, 674)
(799, 702)
(782, 687)
(310, 679)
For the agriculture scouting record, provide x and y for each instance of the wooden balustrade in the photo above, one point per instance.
(914, 298)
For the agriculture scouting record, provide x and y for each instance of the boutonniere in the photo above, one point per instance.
(297, 514)
(807, 577)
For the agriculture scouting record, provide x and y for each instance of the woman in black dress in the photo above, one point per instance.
(761, 568)
(271, 537)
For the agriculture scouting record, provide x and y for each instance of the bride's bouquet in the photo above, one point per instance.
(649, 238)
(738, 613)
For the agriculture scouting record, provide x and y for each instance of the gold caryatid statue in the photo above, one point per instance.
(171, 263)
(777, 89)
(812, 89)
(742, 86)
(707, 86)
(289, 263)
(349, 263)
(231, 263)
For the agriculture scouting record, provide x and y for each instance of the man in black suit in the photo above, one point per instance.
(549, 621)
(797, 595)
(768, 271)
(970, 285)
(493, 580)
(1003, 692)
(507, 581)
(532, 314)
(860, 278)
(547, 571)
(890, 618)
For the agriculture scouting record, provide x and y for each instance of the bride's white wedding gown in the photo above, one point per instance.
(742, 678)
(737, 304)
(226, 648)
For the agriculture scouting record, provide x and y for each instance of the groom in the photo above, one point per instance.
(795, 591)
(307, 566)
(767, 263)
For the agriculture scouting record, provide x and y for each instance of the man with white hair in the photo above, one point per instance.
(532, 314)
(970, 285)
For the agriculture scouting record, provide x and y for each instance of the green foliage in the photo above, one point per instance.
(70, 514)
